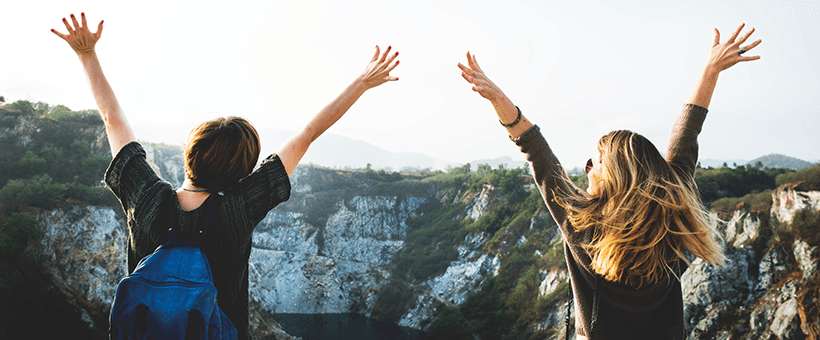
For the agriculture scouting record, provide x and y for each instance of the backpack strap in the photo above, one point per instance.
(211, 208)
(595, 300)
(594, 319)
(569, 309)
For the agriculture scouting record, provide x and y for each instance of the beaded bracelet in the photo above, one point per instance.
(518, 119)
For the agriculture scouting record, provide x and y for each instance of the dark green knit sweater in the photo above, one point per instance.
(146, 200)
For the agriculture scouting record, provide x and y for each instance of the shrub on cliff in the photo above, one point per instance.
(450, 324)
(39, 191)
(740, 181)
(759, 201)
(810, 176)
(24, 107)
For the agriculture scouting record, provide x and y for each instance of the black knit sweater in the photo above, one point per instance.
(147, 200)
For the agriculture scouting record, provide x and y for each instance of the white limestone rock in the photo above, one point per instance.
(460, 279)
(705, 285)
(287, 282)
(807, 258)
(369, 229)
(425, 308)
(285, 231)
(786, 323)
(786, 201)
(481, 204)
(771, 267)
(550, 281)
(742, 227)
(84, 249)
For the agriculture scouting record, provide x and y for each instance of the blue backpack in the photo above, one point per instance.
(171, 293)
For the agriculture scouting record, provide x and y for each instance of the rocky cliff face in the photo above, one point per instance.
(84, 249)
(331, 249)
(768, 288)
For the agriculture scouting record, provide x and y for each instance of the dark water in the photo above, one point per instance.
(344, 326)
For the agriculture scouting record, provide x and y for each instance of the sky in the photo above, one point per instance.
(578, 69)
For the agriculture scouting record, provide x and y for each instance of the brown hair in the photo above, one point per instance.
(646, 213)
(221, 152)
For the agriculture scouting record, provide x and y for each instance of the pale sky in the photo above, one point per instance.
(576, 68)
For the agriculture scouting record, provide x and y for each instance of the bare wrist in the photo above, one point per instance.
(87, 55)
(359, 85)
(710, 71)
(502, 102)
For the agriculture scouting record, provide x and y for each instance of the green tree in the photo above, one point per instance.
(31, 164)
(809, 176)
(40, 191)
(450, 324)
(23, 106)
(41, 108)
(14, 235)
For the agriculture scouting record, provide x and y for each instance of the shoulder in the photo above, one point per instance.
(271, 174)
(129, 152)
(265, 187)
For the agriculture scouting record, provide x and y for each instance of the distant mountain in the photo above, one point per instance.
(341, 152)
(337, 151)
(333, 151)
(777, 160)
(774, 160)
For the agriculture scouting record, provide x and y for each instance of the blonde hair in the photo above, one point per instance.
(646, 214)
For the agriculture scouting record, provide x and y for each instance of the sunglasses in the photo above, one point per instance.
(589, 166)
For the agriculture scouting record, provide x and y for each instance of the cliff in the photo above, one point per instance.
(768, 289)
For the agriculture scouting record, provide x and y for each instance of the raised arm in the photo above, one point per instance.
(83, 41)
(724, 55)
(376, 73)
(508, 115)
(546, 170)
(683, 147)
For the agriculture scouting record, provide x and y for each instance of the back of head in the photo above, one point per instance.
(220, 152)
(646, 213)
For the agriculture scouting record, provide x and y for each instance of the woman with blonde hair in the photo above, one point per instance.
(220, 157)
(625, 235)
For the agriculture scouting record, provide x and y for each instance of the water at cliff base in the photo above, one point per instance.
(344, 326)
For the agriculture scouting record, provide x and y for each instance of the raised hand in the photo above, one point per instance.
(727, 54)
(378, 70)
(376, 73)
(724, 55)
(508, 114)
(481, 84)
(79, 37)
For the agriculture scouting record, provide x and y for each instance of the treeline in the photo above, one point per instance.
(723, 189)
(49, 157)
(42, 109)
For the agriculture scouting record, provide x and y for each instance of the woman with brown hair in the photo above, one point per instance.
(624, 236)
(220, 157)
